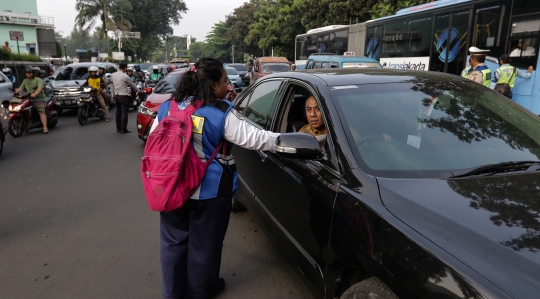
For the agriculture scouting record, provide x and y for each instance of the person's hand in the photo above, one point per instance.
(32, 95)
(530, 69)
(12, 94)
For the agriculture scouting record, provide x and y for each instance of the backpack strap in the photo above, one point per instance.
(222, 144)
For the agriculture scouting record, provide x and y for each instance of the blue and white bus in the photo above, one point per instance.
(436, 36)
(330, 39)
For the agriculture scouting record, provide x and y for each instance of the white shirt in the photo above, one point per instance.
(240, 132)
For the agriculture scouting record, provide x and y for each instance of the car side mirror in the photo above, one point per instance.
(147, 90)
(298, 146)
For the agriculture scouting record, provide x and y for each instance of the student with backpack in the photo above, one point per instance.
(192, 236)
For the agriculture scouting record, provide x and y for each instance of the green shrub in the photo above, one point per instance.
(5, 55)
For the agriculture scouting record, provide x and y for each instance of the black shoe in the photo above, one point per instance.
(220, 286)
(126, 131)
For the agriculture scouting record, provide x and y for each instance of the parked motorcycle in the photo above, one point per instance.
(89, 107)
(24, 116)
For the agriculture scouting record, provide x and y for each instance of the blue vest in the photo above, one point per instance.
(208, 130)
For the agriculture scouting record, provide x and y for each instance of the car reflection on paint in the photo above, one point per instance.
(413, 195)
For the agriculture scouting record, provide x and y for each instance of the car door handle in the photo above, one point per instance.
(263, 155)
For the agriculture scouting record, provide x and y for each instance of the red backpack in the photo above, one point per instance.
(170, 169)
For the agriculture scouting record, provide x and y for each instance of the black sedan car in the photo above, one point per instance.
(425, 185)
(242, 71)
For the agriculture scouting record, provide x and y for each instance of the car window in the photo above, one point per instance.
(325, 65)
(72, 73)
(317, 65)
(426, 128)
(261, 106)
(309, 65)
(334, 65)
(239, 67)
(231, 71)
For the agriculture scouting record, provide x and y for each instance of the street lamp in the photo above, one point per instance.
(65, 54)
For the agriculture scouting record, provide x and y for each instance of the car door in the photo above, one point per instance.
(252, 106)
(298, 196)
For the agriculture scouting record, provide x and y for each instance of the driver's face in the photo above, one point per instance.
(314, 115)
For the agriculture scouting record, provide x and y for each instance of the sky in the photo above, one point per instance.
(198, 21)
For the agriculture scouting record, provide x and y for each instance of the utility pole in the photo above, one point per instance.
(232, 53)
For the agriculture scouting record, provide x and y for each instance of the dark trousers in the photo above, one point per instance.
(191, 240)
(122, 108)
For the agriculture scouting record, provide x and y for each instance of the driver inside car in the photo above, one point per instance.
(317, 128)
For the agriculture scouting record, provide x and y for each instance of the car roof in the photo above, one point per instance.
(341, 58)
(355, 76)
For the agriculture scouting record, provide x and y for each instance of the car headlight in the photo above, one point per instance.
(145, 110)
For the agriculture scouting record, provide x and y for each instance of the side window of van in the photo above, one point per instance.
(325, 65)
(317, 65)
(309, 65)
(334, 65)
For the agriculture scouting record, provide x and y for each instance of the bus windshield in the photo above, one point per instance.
(332, 42)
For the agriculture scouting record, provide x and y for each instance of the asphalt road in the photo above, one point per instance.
(74, 223)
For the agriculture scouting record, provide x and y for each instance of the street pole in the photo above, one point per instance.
(232, 53)
(65, 54)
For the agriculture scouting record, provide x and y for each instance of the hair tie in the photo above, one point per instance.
(193, 69)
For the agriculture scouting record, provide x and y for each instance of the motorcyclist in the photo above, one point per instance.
(155, 75)
(129, 72)
(7, 71)
(101, 74)
(97, 82)
(34, 86)
(139, 75)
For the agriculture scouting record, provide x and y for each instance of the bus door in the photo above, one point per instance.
(450, 34)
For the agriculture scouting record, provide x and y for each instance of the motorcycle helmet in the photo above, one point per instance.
(29, 69)
(129, 70)
(42, 73)
(93, 69)
(6, 71)
(101, 67)
(137, 67)
(155, 69)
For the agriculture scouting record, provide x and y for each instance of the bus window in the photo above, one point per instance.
(325, 65)
(522, 7)
(373, 42)
(418, 38)
(486, 30)
(523, 42)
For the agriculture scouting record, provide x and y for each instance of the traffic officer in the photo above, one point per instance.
(121, 82)
(478, 70)
(506, 74)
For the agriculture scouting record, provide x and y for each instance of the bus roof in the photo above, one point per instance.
(341, 58)
(324, 29)
(424, 7)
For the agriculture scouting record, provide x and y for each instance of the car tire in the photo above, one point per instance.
(370, 288)
(2, 137)
(237, 205)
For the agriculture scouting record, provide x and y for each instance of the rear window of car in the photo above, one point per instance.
(72, 73)
(239, 67)
(426, 127)
(231, 71)
(168, 84)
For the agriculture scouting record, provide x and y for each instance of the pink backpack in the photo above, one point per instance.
(170, 169)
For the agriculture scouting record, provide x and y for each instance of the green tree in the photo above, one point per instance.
(58, 50)
(112, 14)
(196, 51)
(238, 24)
(317, 13)
(154, 22)
(217, 45)
(383, 8)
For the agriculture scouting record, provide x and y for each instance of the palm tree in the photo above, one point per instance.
(112, 14)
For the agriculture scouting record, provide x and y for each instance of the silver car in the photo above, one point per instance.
(5, 96)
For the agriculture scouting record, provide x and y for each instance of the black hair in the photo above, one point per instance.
(505, 58)
(481, 58)
(199, 81)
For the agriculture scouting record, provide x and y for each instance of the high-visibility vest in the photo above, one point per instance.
(507, 75)
(465, 72)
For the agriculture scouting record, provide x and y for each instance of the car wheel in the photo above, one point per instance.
(236, 205)
(370, 288)
(16, 126)
(1, 140)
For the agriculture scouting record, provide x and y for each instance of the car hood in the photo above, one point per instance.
(156, 99)
(491, 224)
(66, 83)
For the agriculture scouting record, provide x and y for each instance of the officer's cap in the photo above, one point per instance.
(475, 50)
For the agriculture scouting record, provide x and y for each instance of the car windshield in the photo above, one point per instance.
(239, 67)
(168, 84)
(71, 73)
(425, 127)
(231, 71)
(270, 67)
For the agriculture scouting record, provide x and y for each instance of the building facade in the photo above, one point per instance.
(38, 31)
